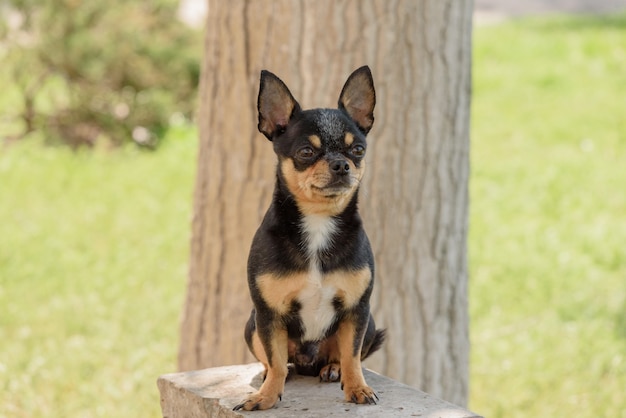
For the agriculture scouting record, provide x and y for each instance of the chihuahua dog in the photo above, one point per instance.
(311, 268)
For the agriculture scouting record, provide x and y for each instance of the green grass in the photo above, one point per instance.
(94, 246)
(93, 260)
(548, 219)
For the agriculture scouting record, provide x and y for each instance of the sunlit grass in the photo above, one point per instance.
(93, 255)
(548, 226)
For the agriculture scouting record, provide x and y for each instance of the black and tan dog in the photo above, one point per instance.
(311, 269)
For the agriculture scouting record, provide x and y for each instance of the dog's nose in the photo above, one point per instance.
(340, 167)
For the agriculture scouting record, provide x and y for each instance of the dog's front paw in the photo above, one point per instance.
(330, 373)
(258, 401)
(360, 394)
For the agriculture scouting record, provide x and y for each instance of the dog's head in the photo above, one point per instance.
(320, 151)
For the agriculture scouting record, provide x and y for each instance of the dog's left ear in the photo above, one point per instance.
(358, 98)
(276, 105)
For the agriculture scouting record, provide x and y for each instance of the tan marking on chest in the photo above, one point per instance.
(350, 285)
(279, 292)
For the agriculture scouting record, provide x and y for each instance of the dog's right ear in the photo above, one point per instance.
(276, 105)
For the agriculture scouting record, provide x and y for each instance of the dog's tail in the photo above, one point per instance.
(373, 340)
(376, 343)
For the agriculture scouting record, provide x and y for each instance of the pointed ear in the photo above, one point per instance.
(276, 105)
(358, 98)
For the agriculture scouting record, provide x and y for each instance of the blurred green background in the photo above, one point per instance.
(548, 218)
(94, 236)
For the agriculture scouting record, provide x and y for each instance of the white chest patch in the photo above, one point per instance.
(316, 297)
(318, 232)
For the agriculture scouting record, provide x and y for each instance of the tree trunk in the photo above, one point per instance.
(414, 198)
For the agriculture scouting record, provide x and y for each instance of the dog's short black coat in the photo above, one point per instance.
(311, 268)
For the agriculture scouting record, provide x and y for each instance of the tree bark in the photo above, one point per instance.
(414, 198)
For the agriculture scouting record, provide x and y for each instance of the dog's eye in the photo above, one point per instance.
(358, 150)
(305, 153)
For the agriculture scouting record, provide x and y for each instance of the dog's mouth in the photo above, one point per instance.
(333, 190)
(337, 187)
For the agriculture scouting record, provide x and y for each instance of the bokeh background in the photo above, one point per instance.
(97, 165)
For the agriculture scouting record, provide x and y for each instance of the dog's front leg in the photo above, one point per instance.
(274, 356)
(350, 339)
